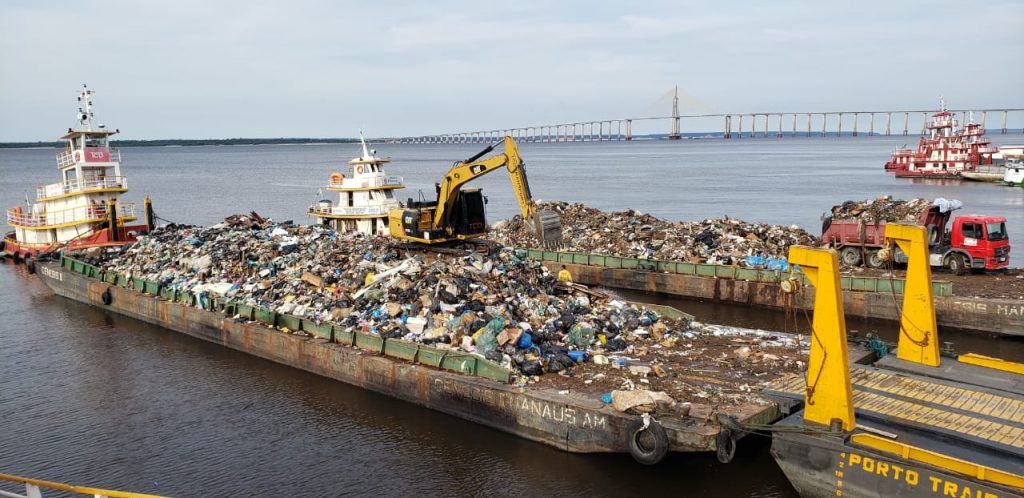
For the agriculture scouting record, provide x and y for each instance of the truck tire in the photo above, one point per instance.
(956, 264)
(850, 256)
(875, 261)
(648, 445)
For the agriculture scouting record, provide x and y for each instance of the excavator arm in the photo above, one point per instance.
(547, 225)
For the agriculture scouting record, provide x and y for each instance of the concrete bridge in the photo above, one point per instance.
(734, 125)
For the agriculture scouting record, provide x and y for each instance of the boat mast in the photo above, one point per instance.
(85, 112)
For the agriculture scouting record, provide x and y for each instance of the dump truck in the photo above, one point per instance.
(971, 242)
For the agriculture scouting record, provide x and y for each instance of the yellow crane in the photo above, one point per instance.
(458, 213)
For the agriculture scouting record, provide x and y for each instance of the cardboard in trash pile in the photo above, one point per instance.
(501, 305)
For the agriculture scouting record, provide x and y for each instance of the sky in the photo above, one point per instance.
(306, 68)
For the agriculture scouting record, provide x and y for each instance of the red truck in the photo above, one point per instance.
(971, 242)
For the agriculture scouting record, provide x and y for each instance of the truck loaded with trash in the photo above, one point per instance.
(857, 231)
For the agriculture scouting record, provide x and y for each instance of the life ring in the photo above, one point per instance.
(107, 297)
(726, 446)
(649, 448)
(337, 177)
(359, 169)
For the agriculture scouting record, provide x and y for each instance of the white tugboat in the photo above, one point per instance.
(81, 210)
(366, 194)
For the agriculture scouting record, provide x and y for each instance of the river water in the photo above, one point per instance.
(94, 398)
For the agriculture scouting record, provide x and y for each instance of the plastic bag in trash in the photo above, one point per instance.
(581, 335)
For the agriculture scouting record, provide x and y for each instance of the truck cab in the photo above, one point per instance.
(981, 240)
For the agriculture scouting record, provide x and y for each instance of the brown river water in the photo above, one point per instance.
(98, 399)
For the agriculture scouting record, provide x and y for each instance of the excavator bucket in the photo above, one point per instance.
(548, 226)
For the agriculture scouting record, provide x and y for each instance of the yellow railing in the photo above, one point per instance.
(81, 185)
(67, 216)
(32, 488)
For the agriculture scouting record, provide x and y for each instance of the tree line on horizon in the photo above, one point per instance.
(191, 141)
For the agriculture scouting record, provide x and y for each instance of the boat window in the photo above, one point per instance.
(996, 231)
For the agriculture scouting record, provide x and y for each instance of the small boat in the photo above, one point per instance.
(80, 211)
(946, 151)
(993, 174)
(1014, 174)
(366, 195)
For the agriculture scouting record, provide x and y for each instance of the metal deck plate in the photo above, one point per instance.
(990, 418)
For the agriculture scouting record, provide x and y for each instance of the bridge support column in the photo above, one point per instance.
(728, 127)
(924, 123)
(629, 129)
(1005, 119)
(888, 123)
(808, 124)
(855, 115)
(840, 127)
(824, 124)
(753, 126)
(765, 126)
(906, 123)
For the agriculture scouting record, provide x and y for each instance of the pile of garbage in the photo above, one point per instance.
(502, 305)
(882, 209)
(637, 235)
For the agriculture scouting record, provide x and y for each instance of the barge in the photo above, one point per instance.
(909, 428)
(458, 384)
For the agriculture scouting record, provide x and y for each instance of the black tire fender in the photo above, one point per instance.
(107, 297)
(654, 446)
(726, 445)
(30, 265)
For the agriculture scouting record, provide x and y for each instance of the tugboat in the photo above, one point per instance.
(80, 211)
(945, 151)
(365, 196)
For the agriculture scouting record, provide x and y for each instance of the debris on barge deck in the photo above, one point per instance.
(502, 306)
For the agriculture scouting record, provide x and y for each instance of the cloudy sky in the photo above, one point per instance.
(215, 69)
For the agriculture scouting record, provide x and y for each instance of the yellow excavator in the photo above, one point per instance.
(458, 213)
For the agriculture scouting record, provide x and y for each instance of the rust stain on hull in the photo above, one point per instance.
(574, 424)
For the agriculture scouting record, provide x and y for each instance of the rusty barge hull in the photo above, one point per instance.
(1002, 316)
(572, 423)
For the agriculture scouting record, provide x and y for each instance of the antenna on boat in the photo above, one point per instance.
(942, 104)
(85, 112)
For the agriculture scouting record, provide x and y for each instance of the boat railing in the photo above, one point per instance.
(81, 185)
(376, 181)
(91, 213)
(70, 157)
(34, 487)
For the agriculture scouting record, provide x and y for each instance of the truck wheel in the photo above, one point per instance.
(957, 264)
(850, 256)
(875, 260)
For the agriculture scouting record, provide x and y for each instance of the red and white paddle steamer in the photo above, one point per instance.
(945, 151)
